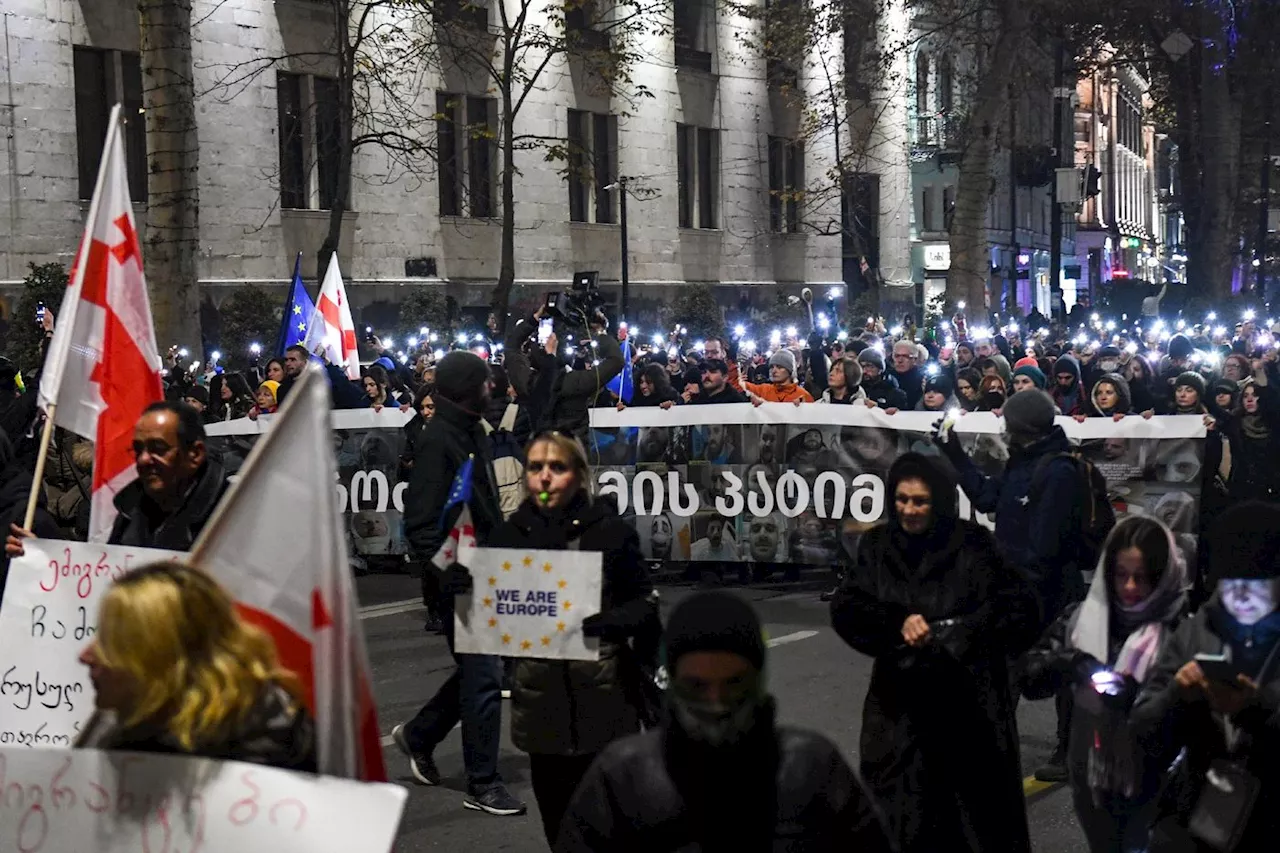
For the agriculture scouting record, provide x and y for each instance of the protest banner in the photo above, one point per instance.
(775, 483)
(529, 604)
(58, 801)
(49, 614)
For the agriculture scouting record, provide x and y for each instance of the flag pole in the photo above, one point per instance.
(38, 478)
(69, 316)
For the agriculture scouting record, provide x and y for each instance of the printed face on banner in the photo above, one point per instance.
(49, 616)
(529, 604)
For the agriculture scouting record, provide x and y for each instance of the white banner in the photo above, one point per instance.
(529, 604)
(49, 614)
(59, 801)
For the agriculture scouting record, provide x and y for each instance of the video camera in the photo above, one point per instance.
(574, 309)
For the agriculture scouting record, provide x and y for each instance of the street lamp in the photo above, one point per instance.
(620, 185)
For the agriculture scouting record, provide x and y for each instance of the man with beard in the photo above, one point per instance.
(716, 546)
(653, 444)
(881, 389)
(719, 773)
(719, 446)
(764, 535)
(717, 385)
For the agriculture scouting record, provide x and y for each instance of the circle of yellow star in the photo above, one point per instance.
(546, 567)
(493, 623)
(546, 641)
(506, 567)
(525, 645)
(493, 581)
(528, 561)
(486, 601)
(562, 584)
(506, 639)
(568, 604)
(559, 627)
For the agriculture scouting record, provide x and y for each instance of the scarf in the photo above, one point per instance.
(1254, 427)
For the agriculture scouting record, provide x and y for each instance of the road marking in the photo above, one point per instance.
(1032, 786)
(391, 608)
(791, 638)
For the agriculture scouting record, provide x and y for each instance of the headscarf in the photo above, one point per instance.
(1254, 426)
(1145, 622)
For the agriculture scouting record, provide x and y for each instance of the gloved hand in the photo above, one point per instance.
(457, 579)
(606, 626)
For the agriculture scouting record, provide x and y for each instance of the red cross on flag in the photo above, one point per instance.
(331, 325)
(103, 368)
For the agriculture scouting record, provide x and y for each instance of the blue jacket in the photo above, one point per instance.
(1038, 524)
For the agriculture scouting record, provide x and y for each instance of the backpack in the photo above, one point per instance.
(1097, 515)
(508, 461)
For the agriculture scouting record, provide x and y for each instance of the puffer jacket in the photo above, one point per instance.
(1124, 402)
(1168, 719)
(579, 707)
(277, 732)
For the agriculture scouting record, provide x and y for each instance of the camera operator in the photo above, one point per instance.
(562, 397)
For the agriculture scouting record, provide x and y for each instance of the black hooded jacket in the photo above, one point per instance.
(969, 783)
(140, 522)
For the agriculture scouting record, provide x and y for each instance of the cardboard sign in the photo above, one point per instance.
(529, 604)
(58, 801)
(49, 614)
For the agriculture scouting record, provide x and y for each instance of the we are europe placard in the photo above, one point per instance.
(529, 604)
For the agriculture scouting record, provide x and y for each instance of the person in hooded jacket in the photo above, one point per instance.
(1110, 398)
(1226, 718)
(563, 713)
(1103, 650)
(1175, 363)
(719, 774)
(1252, 433)
(881, 389)
(15, 488)
(1107, 361)
(1068, 392)
(1188, 395)
(930, 599)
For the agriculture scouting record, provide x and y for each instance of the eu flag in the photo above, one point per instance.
(460, 491)
(297, 312)
(621, 384)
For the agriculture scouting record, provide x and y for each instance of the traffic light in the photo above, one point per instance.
(1092, 181)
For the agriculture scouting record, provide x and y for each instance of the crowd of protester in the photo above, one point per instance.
(1168, 690)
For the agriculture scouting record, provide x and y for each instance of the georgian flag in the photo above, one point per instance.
(331, 325)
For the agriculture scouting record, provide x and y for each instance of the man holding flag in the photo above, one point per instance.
(451, 505)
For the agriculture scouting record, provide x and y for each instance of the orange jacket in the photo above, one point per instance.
(771, 393)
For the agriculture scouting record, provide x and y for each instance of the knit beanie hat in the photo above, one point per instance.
(941, 383)
(873, 357)
(1031, 370)
(714, 621)
(460, 375)
(1179, 346)
(272, 386)
(1029, 413)
(786, 360)
(1025, 361)
(385, 363)
(1191, 379)
(199, 393)
(1245, 542)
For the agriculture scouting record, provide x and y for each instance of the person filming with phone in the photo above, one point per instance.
(1213, 700)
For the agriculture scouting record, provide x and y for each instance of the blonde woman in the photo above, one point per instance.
(176, 670)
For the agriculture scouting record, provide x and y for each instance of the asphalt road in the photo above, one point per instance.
(819, 683)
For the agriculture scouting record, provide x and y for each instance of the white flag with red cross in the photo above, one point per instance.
(278, 544)
(103, 368)
(331, 325)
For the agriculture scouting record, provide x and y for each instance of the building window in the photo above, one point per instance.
(924, 129)
(948, 206)
(581, 23)
(695, 22)
(310, 138)
(464, 14)
(786, 184)
(697, 167)
(927, 221)
(466, 130)
(592, 153)
(102, 78)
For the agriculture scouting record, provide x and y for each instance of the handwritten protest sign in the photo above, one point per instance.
(49, 615)
(530, 604)
(58, 801)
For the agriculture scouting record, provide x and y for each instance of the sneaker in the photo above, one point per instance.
(496, 801)
(1055, 769)
(433, 624)
(421, 764)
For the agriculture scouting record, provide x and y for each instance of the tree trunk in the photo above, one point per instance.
(173, 189)
(970, 250)
(507, 265)
(346, 120)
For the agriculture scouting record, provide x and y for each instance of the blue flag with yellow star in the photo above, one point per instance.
(460, 491)
(297, 312)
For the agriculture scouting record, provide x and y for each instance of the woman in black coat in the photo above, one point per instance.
(930, 599)
(653, 388)
(563, 713)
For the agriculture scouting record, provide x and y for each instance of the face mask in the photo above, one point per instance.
(1109, 366)
(712, 723)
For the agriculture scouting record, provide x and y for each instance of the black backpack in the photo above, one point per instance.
(1097, 515)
